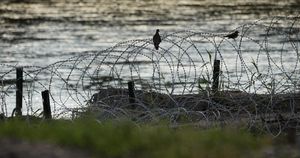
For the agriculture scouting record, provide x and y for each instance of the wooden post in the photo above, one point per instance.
(216, 74)
(46, 104)
(19, 91)
(131, 93)
(292, 132)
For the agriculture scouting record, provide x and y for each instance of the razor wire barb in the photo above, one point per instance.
(259, 79)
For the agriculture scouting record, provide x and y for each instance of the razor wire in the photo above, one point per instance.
(259, 79)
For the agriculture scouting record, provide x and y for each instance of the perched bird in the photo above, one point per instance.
(233, 35)
(156, 39)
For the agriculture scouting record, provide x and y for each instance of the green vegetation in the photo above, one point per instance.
(127, 140)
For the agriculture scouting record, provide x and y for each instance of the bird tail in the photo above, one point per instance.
(156, 47)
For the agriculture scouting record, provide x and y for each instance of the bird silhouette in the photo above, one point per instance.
(233, 35)
(156, 39)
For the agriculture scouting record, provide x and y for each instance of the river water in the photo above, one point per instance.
(39, 33)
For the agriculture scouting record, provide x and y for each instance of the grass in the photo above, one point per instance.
(126, 140)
